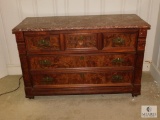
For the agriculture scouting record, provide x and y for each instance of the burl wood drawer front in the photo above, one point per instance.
(74, 61)
(43, 43)
(81, 41)
(113, 42)
(110, 78)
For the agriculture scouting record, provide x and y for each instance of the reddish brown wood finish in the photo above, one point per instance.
(81, 41)
(113, 78)
(75, 61)
(42, 43)
(84, 57)
(119, 40)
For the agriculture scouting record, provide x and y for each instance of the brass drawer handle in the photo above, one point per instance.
(117, 78)
(45, 63)
(47, 79)
(81, 37)
(43, 43)
(118, 60)
(80, 40)
(81, 57)
(119, 41)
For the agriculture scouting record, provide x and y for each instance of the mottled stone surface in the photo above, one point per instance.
(81, 22)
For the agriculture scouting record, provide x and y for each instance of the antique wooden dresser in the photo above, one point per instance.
(81, 54)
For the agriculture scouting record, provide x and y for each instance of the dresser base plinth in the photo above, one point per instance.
(80, 91)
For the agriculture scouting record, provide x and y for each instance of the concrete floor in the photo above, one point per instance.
(14, 106)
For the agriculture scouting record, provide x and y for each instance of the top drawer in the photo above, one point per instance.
(119, 42)
(110, 41)
(81, 41)
(42, 42)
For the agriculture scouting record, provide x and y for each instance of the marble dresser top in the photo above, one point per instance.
(81, 22)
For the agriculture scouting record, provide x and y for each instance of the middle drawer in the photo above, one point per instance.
(80, 60)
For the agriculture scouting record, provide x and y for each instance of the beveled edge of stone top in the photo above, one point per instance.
(81, 22)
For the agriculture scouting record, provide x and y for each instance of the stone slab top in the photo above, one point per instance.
(86, 22)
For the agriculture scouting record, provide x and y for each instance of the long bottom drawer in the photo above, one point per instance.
(116, 78)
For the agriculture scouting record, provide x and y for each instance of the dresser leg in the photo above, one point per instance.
(134, 95)
(136, 90)
(28, 92)
(30, 97)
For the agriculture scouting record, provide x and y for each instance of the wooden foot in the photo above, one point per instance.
(30, 97)
(134, 95)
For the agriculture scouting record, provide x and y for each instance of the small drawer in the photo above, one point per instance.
(42, 43)
(108, 78)
(81, 41)
(119, 42)
(77, 61)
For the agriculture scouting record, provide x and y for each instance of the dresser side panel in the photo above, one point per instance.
(24, 63)
(139, 61)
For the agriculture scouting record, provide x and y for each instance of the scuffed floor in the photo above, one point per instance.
(15, 106)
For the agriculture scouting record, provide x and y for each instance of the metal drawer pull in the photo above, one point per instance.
(45, 63)
(81, 57)
(119, 41)
(118, 60)
(80, 42)
(47, 79)
(117, 78)
(81, 37)
(43, 43)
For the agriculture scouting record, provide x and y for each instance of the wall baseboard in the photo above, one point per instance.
(146, 67)
(14, 70)
(3, 74)
(155, 73)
